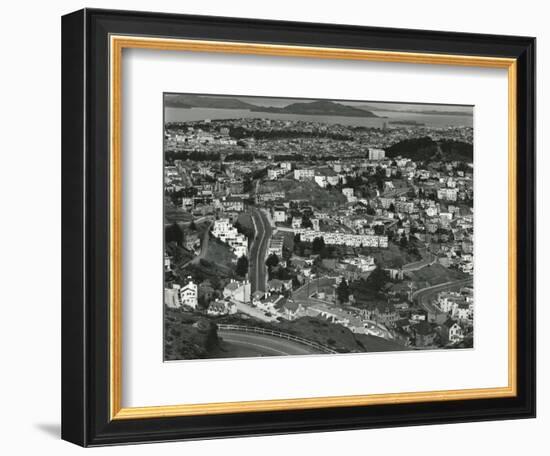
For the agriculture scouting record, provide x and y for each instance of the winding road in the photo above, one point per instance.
(250, 344)
(425, 296)
(258, 251)
(416, 265)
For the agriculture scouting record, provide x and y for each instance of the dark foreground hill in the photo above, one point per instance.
(425, 149)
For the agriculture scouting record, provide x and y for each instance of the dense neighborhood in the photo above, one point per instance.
(297, 236)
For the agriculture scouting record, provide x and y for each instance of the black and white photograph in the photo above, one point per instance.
(302, 227)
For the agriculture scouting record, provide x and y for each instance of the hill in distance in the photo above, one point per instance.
(198, 101)
(321, 107)
(448, 112)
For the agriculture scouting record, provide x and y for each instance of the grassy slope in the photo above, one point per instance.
(305, 190)
(436, 274)
(174, 214)
(184, 339)
(393, 256)
(318, 330)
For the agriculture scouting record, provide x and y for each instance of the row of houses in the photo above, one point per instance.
(350, 240)
(459, 305)
(226, 232)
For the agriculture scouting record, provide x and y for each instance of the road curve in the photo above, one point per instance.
(416, 265)
(258, 271)
(425, 295)
(263, 345)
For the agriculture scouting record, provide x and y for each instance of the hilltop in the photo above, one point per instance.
(319, 108)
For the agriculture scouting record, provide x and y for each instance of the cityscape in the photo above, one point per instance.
(305, 227)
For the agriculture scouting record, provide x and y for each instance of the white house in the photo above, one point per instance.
(221, 307)
(172, 297)
(348, 193)
(178, 296)
(296, 222)
(226, 232)
(237, 291)
(279, 215)
(189, 295)
(302, 174)
(449, 194)
(455, 333)
(376, 154)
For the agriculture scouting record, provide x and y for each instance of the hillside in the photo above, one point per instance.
(320, 108)
(335, 336)
(424, 149)
(187, 335)
(201, 101)
(435, 274)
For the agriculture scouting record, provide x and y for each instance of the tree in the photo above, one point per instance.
(403, 243)
(343, 291)
(379, 230)
(241, 269)
(306, 222)
(174, 233)
(272, 261)
(318, 244)
(376, 280)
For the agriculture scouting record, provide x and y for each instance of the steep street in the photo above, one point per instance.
(258, 251)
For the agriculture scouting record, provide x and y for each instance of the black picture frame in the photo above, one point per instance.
(85, 225)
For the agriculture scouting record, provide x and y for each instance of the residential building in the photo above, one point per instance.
(376, 154)
(221, 307)
(189, 294)
(304, 174)
(227, 233)
(276, 246)
(279, 214)
(237, 291)
(424, 334)
(448, 194)
(275, 173)
(191, 241)
(351, 240)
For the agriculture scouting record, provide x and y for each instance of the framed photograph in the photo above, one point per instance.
(278, 227)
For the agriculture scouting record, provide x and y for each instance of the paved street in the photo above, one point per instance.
(426, 295)
(250, 344)
(306, 290)
(204, 247)
(263, 231)
(415, 266)
(253, 312)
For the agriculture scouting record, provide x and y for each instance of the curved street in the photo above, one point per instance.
(425, 295)
(258, 251)
(240, 344)
(416, 265)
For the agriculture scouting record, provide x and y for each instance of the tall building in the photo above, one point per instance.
(376, 154)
